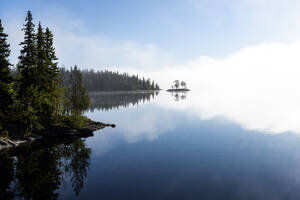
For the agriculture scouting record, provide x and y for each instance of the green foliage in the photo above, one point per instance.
(79, 99)
(28, 58)
(39, 96)
(44, 83)
(27, 98)
(6, 82)
(28, 107)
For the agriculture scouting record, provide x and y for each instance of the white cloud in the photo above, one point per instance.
(97, 53)
(74, 45)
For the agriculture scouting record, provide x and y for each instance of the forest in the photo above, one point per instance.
(36, 94)
(34, 99)
(95, 81)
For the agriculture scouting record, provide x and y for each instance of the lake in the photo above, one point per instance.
(165, 146)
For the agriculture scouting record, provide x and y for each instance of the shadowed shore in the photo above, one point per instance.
(52, 136)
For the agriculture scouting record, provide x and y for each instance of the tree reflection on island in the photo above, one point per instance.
(179, 95)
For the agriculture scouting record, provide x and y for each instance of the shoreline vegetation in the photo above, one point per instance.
(42, 103)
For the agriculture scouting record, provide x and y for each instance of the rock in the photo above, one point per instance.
(2, 142)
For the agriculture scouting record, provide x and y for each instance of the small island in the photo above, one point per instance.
(176, 87)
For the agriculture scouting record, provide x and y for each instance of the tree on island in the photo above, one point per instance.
(176, 84)
(183, 84)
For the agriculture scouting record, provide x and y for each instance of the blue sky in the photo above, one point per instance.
(176, 30)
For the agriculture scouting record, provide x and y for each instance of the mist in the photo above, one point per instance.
(256, 87)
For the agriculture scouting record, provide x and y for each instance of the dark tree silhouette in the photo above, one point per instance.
(176, 84)
(7, 177)
(77, 164)
(6, 81)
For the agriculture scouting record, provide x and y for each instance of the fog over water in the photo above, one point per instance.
(257, 87)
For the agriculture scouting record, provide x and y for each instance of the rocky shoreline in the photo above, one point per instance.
(54, 134)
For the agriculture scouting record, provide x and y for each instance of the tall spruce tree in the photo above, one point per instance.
(53, 73)
(28, 78)
(41, 60)
(51, 57)
(28, 58)
(6, 81)
(44, 111)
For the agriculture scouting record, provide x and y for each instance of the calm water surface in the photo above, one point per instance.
(162, 148)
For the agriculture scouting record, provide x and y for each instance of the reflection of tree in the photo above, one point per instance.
(77, 161)
(39, 174)
(6, 177)
(110, 100)
(176, 97)
(179, 95)
(183, 84)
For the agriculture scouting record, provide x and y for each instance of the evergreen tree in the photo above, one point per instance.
(53, 72)
(6, 81)
(28, 78)
(78, 96)
(51, 57)
(41, 60)
(28, 58)
(43, 80)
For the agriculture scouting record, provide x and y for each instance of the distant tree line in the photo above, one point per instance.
(32, 98)
(110, 81)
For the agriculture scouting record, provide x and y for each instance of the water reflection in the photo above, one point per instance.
(179, 95)
(115, 100)
(158, 153)
(7, 177)
(39, 174)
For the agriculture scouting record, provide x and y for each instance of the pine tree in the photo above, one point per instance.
(6, 81)
(28, 78)
(43, 80)
(78, 95)
(51, 57)
(28, 57)
(79, 99)
(53, 72)
(41, 60)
